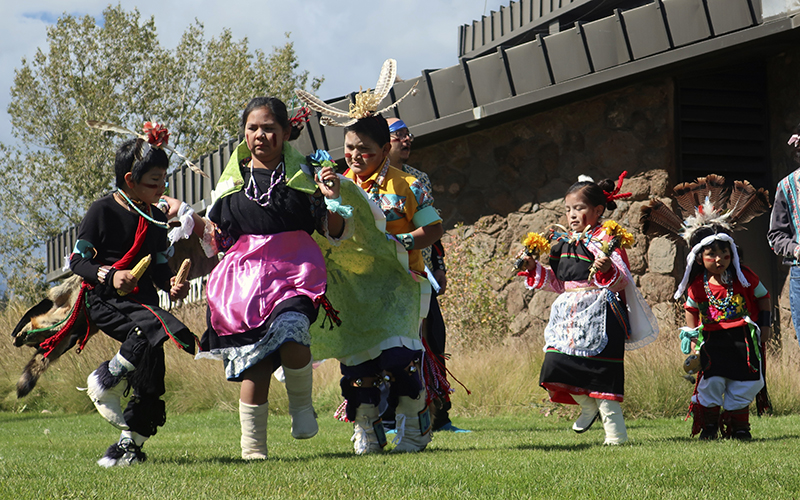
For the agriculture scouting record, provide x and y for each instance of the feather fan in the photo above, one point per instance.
(386, 79)
(747, 202)
(318, 105)
(659, 219)
(691, 195)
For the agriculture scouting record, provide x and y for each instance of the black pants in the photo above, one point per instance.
(435, 337)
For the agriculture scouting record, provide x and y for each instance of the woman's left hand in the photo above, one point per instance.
(328, 174)
(602, 264)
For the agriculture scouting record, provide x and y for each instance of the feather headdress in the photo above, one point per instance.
(155, 135)
(706, 202)
(367, 101)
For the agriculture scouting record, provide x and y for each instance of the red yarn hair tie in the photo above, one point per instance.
(302, 116)
(615, 194)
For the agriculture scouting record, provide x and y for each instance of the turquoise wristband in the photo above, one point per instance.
(406, 239)
(336, 206)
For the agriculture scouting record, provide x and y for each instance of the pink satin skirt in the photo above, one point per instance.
(257, 273)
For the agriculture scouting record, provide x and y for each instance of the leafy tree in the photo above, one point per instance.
(116, 71)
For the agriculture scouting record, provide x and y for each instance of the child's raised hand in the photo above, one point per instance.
(602, 264)
(178, 290)
(529, 262)
(327, 174)
(173, 204)
(125, 281)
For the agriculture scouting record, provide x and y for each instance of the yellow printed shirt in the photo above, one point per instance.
(404, 200)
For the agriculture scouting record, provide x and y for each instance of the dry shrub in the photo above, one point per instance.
(473, 310)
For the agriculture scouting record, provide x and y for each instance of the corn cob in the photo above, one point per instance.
(138, 270)
(183, 272)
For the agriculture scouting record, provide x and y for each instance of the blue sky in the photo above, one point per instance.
(344, 41)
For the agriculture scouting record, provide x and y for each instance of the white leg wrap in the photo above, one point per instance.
(107, 401)
(368, 436)
(298, 388)
(413, 424)
(613, 422)
(137, 438)
(253, 419)
(589, 412)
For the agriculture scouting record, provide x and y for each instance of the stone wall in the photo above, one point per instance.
(511, 179)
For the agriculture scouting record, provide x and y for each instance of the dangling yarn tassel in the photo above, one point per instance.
(330, 313)
(434, 374)
(341, 412)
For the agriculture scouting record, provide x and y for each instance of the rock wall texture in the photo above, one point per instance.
(511, 179)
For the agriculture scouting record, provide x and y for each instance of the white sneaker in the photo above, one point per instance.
(107, 401)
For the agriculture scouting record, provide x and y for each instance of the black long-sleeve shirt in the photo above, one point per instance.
(111, 229)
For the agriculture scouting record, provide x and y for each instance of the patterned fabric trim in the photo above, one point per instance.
(290, 326)
(790, 185)
(571, 389)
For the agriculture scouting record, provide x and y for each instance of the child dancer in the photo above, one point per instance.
(727, 314)
(118, 231)
(406, 214)
(727, 307)
(589, 324)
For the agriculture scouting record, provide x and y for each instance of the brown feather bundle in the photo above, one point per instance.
(660, 220)
(747, 202)
(705, 201)
(691, 195)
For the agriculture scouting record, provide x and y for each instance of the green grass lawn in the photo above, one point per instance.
(196, 456)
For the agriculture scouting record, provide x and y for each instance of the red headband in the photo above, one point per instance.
(613, 195)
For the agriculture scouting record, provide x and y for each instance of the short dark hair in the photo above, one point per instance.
(126, 160)
(278, 110)
(374, 127)
(594, 193)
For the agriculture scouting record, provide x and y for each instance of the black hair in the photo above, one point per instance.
(594, 193)
(278, 110)
(796, 150)
(698, 236)
(126, 160)
(374, 127)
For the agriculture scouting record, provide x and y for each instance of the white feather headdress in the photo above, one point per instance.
(367, 101)
(155, 135)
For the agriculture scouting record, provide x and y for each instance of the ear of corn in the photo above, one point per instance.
(138, 270)
(183, 272)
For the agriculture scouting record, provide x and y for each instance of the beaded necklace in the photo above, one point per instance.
(376, 185)
(725, 305)
(132, 204)
(251, 191)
